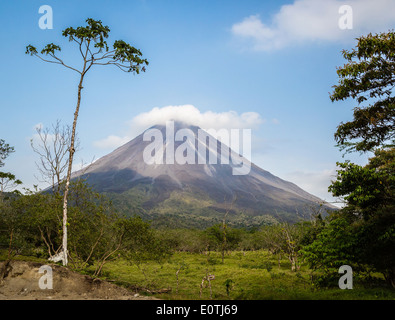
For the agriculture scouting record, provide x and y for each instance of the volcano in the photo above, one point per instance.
(197, 188)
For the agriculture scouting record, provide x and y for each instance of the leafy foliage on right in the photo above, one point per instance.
(362, 233)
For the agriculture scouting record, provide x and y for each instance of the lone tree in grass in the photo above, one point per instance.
(91, 43)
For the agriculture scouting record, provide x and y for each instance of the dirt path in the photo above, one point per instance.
(21, 282)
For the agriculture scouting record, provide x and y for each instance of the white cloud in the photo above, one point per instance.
(191, 115)
(315, 20)
(186, 113)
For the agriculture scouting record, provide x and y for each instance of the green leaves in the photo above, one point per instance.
(94, 31)
(50, 49)
(367, 221)
(364, 188)
(124, 52)
(5, 150)
(94, 49)
(368, 77)
(8, 181)
(10, 176)
(337, 244)
(31, 50)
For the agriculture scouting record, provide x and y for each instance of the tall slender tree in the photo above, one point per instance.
(94, 50)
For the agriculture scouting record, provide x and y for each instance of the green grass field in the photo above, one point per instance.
(251, 275)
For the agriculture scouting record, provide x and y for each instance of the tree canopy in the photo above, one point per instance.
(362, 233)
(368, 77)
(94, 49)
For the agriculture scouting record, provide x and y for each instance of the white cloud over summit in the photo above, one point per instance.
(191, 115)
(186, 113)
(315, 20)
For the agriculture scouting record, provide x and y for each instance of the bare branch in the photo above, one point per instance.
(52, 149)
(59, 61)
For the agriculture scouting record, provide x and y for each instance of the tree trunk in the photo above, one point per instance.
(4, 270)
(66, 190)
(223, 242)
(390, 276)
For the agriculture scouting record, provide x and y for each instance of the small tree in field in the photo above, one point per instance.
(91, 43)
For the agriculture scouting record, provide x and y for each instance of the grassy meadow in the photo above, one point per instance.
(244, 275)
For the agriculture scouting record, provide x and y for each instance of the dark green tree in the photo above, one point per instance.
(140, 243)
(335, 245)
(222, 239)
(363, 232)
(34, 220)
(8, 220)
(367, 189)
(92, 45)
(368, 77)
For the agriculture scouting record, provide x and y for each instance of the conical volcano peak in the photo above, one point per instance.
(178, 143)
(180, 168)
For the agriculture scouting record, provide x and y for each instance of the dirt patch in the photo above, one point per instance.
(21, 282)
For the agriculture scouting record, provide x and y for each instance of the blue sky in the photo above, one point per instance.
(274, 59)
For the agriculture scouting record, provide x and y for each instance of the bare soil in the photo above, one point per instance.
(19, 280)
